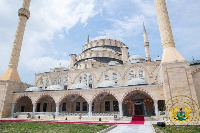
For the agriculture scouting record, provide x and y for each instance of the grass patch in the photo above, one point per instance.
(37, 127)
(177, 129)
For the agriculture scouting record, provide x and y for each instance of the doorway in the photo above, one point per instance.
(138, 110)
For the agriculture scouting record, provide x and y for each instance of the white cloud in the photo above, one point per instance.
(43, 64)
(130, 26)
(48, 17)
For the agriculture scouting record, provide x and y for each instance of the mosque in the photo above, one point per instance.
(103, 81)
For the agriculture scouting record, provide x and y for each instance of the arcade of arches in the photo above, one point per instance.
(134, 103)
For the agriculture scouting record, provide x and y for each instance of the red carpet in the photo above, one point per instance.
(137, 120)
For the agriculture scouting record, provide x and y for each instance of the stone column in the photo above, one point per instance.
(13, 109)
(90, 109)
(169, 51)
(120, 110)
(57, 109)
(12, 73)
(156, 107)
(34, 108)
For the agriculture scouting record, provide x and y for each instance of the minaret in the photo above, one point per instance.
(169, 51)
(12, 73)
(146, 45)
(88, 39)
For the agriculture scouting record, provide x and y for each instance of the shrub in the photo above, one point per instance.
(38, 117)
(99, 119)
(66, 118)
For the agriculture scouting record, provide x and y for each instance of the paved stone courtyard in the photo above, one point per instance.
(146, 128)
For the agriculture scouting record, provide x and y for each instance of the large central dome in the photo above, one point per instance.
(99, 52)
(104, 37)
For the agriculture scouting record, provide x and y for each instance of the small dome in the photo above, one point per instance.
(79, 86)
(136, 81)
(66, 69)
(135, 61)
(34, 89)
(135, 57)
(104, 37)
(60, 67)
(113, 63)
(194, 62)
(49, 71)
(105, 84)
(54, 88)
(158, 58)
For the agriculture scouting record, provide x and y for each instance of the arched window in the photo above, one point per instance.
(59, 81)
(90, 54)
(115, 77)
(40, 81)
(141, 74)
(97, 44)
(65, 80)
(90, 81)
(85, 79)
(103, 54)
(97, 55)
(106, 77)
(80, 79)
(131, 75)
(47, 82)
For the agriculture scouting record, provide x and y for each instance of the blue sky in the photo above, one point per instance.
(58, 28)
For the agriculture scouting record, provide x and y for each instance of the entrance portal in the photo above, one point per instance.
(138, 103)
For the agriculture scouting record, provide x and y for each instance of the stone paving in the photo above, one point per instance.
(146, 128)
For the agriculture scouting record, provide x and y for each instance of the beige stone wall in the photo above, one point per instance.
(196, 78)
(89, 95)
(6, 96)
(150, 71)
(177, 80)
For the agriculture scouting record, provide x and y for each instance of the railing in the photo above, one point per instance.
(28, 114)
(64, 114)
(45, 113)
(105, 114)
(73, 114)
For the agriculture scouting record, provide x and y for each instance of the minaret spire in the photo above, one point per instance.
(144, 29)
(146, 44)
(12, 73)
(88, 38)
(169, 51)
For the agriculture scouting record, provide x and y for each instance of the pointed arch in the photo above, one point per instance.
(72, 93)
(109, 69)
(137, 67)
(136, 89)
(43, 95)
(21, 96)
(100, 92)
